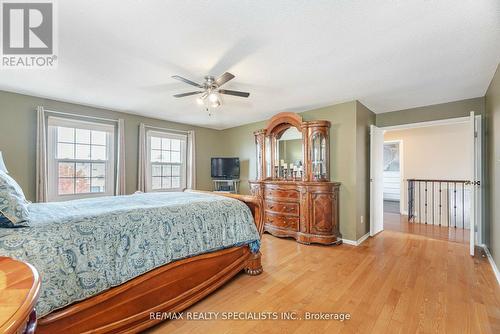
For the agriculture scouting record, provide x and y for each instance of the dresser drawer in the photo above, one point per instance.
(283, 207)
(282, 221)
(282, 193)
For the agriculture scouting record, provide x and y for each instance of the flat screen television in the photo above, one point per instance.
(226, 168)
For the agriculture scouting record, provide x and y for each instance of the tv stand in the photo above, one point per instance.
(226, 186)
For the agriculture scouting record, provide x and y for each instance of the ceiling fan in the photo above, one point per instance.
(210, 89)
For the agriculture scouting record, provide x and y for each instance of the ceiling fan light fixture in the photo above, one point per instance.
(216, 104)
(213, 97)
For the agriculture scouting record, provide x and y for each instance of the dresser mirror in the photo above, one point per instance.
(289, 154)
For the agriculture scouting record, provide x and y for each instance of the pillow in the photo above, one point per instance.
(13, 204)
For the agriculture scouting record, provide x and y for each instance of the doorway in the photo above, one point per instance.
(392, 176)
(441, 178)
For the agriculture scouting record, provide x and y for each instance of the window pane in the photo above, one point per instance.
(82, 136)
(156, 183)
(176, 182)
(98, 185)
(156, 143)
(165, 144)
(98, 152)
(156, 170)
(165, 156)
(176, 145)
(66, 169)
(155, 156)
(176, 157)
(166, 183)
(65, 151)
(65, 134)
(98, 170)
(98, 138)
(82, 185)
(82, 152)
(176, 170)
(167, 170)
(83, 170)
(66, 186)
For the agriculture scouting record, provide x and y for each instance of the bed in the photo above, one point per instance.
(108, 263)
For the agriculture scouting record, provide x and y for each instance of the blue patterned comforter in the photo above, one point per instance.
(84, 247)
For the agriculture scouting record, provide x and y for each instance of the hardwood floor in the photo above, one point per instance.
(399, 223)
(391, 206)
(396, 282)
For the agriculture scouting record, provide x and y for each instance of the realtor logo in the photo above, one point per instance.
(28, 34)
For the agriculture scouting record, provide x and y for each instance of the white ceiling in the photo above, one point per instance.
(290, 55)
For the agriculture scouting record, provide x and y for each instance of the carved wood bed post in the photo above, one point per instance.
(254, 265)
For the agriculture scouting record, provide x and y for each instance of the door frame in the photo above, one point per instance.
(401, 171)
(376, 192)
(478, 167)
(479, 176)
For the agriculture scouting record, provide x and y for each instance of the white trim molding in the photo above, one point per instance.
(356, 242)
(492, 262)
(424, 124)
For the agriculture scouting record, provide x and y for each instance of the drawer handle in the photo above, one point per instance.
(288, 208)
(271, 207)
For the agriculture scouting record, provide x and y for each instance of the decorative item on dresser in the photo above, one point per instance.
(19, 290)
(293, 179)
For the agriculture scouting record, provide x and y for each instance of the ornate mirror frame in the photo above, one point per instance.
(315, 147)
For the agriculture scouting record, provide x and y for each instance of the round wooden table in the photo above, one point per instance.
(19, 289)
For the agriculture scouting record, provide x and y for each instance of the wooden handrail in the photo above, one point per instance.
(433, 180)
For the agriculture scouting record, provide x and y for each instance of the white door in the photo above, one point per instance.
(376, 180)
(475, 178)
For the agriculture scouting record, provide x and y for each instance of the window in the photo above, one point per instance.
(81, 159)
(166, 161)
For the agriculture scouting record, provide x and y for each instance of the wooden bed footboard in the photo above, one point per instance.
(134, 305)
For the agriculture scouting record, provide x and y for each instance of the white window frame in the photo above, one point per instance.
(149, 164)
(52, 163)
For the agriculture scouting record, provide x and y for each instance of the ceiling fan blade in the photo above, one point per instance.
(187, 81)
(187, 94)
(234, 92)
(223, 79)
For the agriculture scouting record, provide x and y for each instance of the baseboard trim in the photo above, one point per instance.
(492, 263)
(349, 242)
(356, 242)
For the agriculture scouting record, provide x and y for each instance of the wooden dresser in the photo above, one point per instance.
(299, 199)
(19, 289)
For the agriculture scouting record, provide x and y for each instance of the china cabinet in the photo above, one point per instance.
(293, 179)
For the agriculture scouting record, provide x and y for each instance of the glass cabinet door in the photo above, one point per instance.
(258, 144)
(269, 163)
(319, 157)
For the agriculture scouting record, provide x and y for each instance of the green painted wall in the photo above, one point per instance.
(493, 149)
(239, 141)
(431, 113)
(18, 134)
(364, 118)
